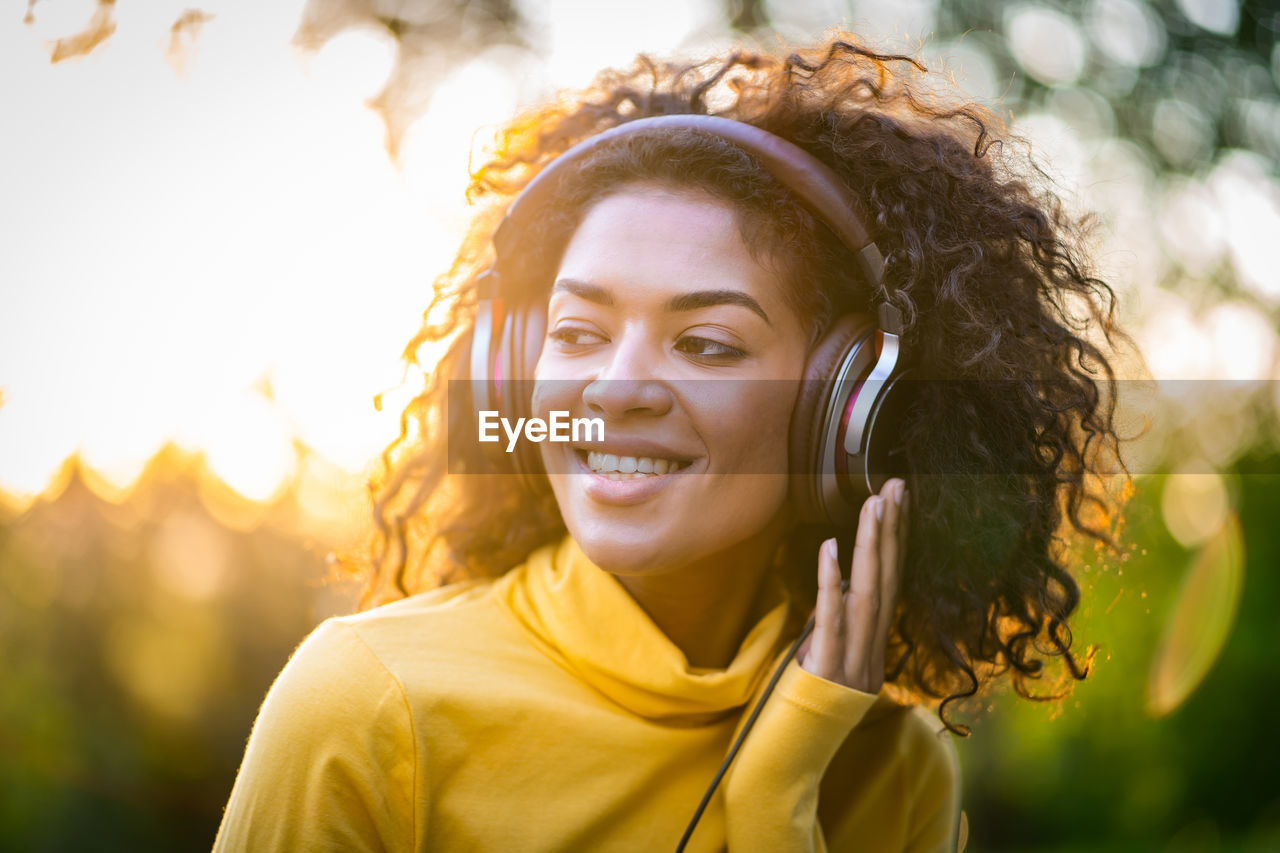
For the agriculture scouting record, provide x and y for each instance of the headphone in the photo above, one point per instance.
(844, 425)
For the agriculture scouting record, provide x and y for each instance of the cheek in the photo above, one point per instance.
(558, 383)
(749, 427)
(545, 398)
(550, 394)
(553, 389)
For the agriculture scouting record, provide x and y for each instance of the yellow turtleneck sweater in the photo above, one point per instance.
(546, 711)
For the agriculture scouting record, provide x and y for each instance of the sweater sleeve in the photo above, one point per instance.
(771, 790)
(330, 764)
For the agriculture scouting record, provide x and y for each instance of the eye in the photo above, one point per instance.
(706, 349)
(574, 337)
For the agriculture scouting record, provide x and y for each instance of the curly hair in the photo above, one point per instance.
(998, 303)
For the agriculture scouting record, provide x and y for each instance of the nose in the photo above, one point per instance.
(627, 384)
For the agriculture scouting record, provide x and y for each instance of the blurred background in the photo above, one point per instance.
(218, 227)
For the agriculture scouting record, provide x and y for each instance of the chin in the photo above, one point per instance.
(620, 549)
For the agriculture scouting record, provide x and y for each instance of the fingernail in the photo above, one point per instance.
(879, 509)
(899, 492)
(832, 549)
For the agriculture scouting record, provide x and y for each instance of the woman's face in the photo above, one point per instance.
(656, 293)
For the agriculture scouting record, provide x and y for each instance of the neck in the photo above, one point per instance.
(706, 608)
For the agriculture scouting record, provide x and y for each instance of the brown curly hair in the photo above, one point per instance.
(998, 305)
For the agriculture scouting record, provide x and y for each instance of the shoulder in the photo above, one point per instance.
(908, 739)
(350, 668)
(929, 769)
(436, 612)
(922, 754)
(928, 751)
(459, 624)
(331, 762)
(332, 681)
(896, 778)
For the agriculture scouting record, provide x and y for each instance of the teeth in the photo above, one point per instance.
(629, 467)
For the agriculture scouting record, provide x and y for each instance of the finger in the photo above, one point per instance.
(802, 653)
(890, 569)
(828, 618)
(904, 524)
(862, 604)
(891, 494)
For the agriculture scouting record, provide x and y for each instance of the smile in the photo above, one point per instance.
(610, 478)
(617, 467)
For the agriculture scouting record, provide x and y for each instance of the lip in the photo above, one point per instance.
(601, 489)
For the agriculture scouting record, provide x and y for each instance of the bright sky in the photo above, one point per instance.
(168, 241)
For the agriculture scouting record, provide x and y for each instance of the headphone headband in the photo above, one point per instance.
(816, 184)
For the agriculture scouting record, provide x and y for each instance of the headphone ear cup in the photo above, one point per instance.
(818, 412)
(507, 368)
(476, 390)
(480, 372)
(526, 346)
(535, 332)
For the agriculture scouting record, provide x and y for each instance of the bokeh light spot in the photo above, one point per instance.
(1181, 132)
(189, 556)
(1194, 506)
(969, 65)
(1175, 345)
(1243, 341)
(1217, 16)
(1047, 43)
(1087, 112)
(248, 447)
(1199, 622)
(1191, 227)
(169, 666)
(1126, 31)
(1249, 197)
(354, 63)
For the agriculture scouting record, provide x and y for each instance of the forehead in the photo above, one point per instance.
(655, 239)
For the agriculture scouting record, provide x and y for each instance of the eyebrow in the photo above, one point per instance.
(706, 298)
(684, 302)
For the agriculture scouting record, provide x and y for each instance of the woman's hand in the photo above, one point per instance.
(851, 629)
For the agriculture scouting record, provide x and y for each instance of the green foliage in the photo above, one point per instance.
(129, 688)
(1097, 769)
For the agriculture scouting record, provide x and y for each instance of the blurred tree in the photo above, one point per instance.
(137, 638)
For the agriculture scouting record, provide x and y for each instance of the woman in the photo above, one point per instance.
(601, 642)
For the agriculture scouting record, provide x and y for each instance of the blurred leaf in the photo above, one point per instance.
(99, 29)
(266, 387)
(182, 38)
(432, 37)
(1199, 622)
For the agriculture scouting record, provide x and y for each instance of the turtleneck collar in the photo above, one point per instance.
(585, 619)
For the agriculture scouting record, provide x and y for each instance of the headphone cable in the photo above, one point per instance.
(737, 744)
